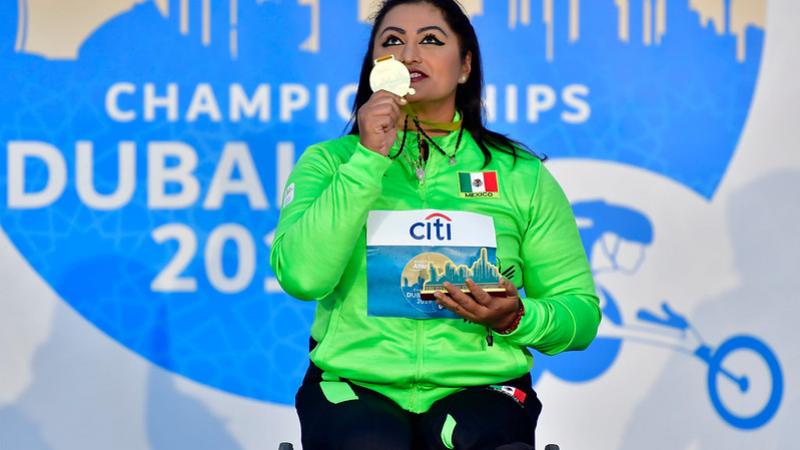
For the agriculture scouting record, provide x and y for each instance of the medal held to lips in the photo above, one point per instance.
(391, 75)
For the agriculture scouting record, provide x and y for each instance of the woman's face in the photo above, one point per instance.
(417, 35)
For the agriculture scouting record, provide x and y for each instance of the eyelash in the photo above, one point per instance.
(432, 37)
(389, 39)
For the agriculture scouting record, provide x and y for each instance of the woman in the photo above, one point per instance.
(379, 382)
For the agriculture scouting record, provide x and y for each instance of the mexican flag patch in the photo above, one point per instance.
(517, 394)
(478, 184)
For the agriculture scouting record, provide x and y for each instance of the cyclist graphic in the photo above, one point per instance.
(615, 238)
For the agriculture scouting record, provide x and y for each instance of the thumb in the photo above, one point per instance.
(511, 290)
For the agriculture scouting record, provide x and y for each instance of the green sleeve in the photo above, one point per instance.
(320, 226)
(561, 307)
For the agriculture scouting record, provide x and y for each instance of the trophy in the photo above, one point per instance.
(435, 269)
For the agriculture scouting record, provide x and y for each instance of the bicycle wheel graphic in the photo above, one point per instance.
(717, 372)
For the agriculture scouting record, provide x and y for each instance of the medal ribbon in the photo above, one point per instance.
(443, 126)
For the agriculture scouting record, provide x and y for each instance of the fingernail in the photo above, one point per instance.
(403, 101)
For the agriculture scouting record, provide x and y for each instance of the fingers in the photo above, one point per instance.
(511, 290)
(478, 294)
(383, 97)
(382, 122)
(447, 302)
(479, 306)
(382, 100)
(386, 94)
(377, 121)
(461, 303)
(382, 109)
(385, 113)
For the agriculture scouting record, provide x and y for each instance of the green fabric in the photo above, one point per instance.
(447, 431)
(465, 181)
(319, 254)
(327, 376)
(337, 391)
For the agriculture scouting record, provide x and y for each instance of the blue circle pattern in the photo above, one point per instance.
(676, 109)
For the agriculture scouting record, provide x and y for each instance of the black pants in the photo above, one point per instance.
(479, 418)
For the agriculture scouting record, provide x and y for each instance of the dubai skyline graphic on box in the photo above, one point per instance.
(398, 275)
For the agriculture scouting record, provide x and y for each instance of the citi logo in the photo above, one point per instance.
(436, 226)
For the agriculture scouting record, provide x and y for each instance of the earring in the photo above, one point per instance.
(463, 79)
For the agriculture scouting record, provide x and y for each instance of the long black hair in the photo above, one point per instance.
(468, 95)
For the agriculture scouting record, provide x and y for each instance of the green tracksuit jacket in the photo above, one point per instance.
(319, 254)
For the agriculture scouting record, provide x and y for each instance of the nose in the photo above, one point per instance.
(410, 54)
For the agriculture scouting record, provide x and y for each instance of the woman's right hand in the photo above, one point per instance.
(377, 121)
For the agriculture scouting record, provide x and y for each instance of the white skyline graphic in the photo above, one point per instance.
(727, 16)
(56, 29)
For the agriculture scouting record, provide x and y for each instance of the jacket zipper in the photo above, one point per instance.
(420, 334)
(422, 184)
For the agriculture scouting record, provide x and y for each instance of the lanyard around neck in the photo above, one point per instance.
(431, 125)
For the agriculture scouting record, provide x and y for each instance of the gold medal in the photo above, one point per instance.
(391, 75)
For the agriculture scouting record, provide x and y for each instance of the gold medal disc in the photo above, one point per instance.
(390, 75)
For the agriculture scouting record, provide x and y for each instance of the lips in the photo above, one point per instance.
(417, 75)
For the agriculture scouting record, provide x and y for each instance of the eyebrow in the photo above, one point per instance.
(402, 31)
(432, 27)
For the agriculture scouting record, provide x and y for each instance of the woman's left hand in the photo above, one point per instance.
(480, 307)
